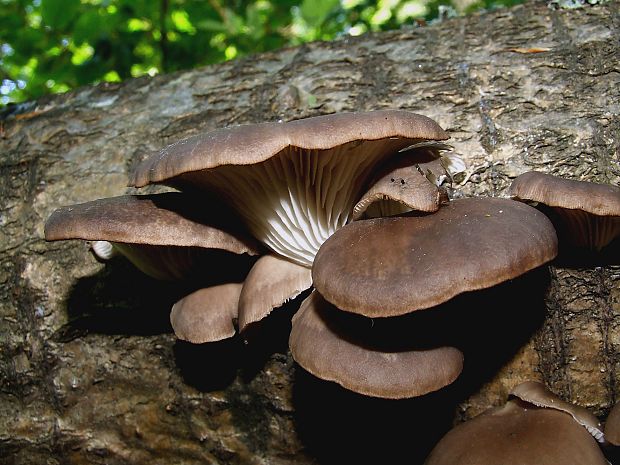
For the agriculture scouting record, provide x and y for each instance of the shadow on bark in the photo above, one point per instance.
(572, 257)
(214, 366)
(489, 326)
(122, 300)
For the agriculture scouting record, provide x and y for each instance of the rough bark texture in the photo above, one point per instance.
(89, 369)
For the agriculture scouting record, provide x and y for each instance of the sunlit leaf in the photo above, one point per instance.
(181, 21)
(314, 12)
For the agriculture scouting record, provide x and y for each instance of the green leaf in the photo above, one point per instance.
(58, 14)
(314, 12)
(211, 25)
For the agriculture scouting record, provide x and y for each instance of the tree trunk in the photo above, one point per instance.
(90, 371)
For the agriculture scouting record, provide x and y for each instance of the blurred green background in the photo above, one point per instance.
(55, 45)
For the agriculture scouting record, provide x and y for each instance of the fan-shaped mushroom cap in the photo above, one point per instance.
(536, 393)
(158, 233)
(271, 282)
(254, 143)
(589, 213)
(206, 315)
(170, 218)
(391, 266)
(294, 183)
(333, 346)
(518, 433)
(612, 426)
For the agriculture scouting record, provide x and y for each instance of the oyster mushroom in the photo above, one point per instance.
(366, 356)
(399, 187)
(207, 315)
(536, 393)
(163, 235)
(293, 183)
(271, 282)
(385, 267)
(585, 214)
(518, 433)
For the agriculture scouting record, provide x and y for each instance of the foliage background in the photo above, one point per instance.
(55, 45)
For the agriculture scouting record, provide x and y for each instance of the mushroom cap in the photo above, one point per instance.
(597, 199)
(612, 426)
(403, 183)
(518, 434)
(585, 214)
(206, 315)
(271, 282)
(254, 143)
(391, 266)
(351, 351)
(168, 219)
(536, 393)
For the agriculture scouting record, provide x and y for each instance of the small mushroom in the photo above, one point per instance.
(399, 187)
(385, 267)
(518, 433)
(294, 183)
(160, 234)
(536, 393)
(271, 282)
(207, 315)
(360, 355)
(585, 214)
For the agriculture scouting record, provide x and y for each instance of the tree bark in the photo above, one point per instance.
(90, 371)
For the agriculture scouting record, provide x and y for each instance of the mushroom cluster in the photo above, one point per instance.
(369, 275)
(272, 190)
(351, 204)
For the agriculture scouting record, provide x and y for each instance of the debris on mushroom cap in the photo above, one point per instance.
(612, 426)
(328, 344)
(206, 315)
(518, 433)
(163, 235)
(391, 266)
(438, 170)
(536, 393)
(400, 187)
(271, 282)
(588, 213)
(293, 183)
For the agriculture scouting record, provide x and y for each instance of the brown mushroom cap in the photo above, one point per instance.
(206, 315)
(588, 214)
(168, 219)
(404, 187)
(271, 282)
(612, 426)
(325, 342)
(163, 235)
(293, 183)
(536, 393)
(254, 143)
(518, 433)
(391, 266)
